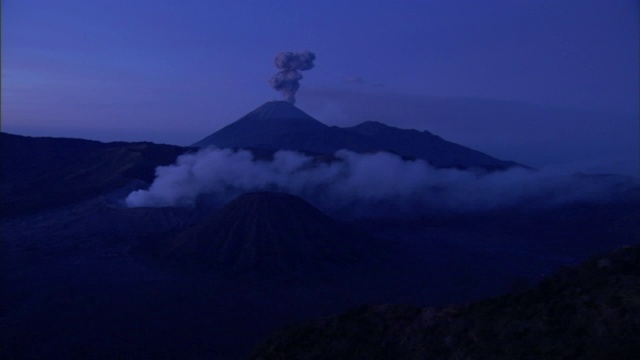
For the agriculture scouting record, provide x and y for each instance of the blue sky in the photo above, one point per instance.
(175, 71)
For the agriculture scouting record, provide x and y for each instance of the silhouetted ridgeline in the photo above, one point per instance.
(282, 126)
(589, 312)
(40, 173)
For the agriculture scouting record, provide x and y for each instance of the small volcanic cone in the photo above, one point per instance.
(264, 232)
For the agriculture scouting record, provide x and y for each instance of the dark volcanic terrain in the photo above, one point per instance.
(588, 312)
(71, 170)
(261, 233)
(87, 278)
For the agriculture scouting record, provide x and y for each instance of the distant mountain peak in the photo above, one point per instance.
(263, 126)
(279, 109)
(373, 124)
(376, 126)
(372, 128)
(279, 125)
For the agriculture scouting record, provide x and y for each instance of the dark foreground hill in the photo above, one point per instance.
(279, 125)
(589, 312)
(263, 232)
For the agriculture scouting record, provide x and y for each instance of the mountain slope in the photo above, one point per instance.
(591, 312)
(279, 125)
(425, 145)
(263, 126)
(266, 232)
(42, 173)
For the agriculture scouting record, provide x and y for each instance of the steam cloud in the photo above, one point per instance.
(363, 184)
(288, 78)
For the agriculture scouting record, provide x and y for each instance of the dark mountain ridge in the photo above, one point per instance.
(44, 173)
(425, 145)
(279, 125)
(589, 312)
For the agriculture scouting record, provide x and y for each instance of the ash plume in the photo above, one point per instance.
(287, 80)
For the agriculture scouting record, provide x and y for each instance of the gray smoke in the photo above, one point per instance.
(288, 78)
(364, 184)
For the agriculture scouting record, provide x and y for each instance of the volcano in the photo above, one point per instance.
(263, 126)
(264, 231)
(279, 125)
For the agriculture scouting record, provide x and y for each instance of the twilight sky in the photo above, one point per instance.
(546, 83)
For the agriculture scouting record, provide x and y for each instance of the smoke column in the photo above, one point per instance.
(288, 78)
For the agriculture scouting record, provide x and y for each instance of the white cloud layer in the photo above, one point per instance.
(377, 184)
